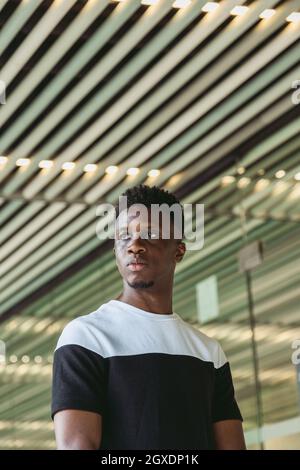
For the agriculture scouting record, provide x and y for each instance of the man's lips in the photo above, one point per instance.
(136, 266)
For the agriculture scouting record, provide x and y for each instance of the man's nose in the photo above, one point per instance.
(137, 245)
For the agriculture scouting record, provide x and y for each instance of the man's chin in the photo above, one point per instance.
(140, 284)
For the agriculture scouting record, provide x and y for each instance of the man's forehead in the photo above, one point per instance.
(127, 216)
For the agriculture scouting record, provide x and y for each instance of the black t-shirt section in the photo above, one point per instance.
(79, 380)
(224, 402)
(159, 401)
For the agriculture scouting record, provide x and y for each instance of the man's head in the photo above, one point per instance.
(145, 258)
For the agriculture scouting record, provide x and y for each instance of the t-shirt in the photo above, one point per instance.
(156, 380)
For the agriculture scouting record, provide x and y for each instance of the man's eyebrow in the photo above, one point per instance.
(142, 227)
(151, 226)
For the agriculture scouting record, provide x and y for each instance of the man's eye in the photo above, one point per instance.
(153, 235)
(145, 234)
(124, 236)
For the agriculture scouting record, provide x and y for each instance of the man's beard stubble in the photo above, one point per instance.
(141, 284)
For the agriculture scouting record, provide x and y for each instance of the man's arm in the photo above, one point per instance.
(77, 430)
(228, 435)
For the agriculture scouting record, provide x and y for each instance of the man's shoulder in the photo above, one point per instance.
(209, 347)
(85, 330)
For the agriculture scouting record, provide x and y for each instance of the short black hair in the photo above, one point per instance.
(148, 195)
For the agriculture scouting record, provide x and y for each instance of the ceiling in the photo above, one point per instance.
(206, 99)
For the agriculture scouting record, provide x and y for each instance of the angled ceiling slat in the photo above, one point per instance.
(16, 22)
(46, 251)
(2, 4)
(50, 229)
(39, 221)
(269, 145)
(117, 19)
(65, 41)
(175, 82)
(169, 87)
(195, 152)
(276, 156)
(104, 121)
(83, 87)
(29, 46)
(249, 130)
(84, 250)
(287, 203)
(26, 214)
(267, 197)
(30, 287)
(9, 209)
(200, 129)
(185, 119)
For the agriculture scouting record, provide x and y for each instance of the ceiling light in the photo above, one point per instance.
(262, 184)
(243, 182)
(111, 170)
(23, 162)
(153, 173)
(68, 166)
(174, 180)
(210, 6)
(181, 3)
(90, 167)
(46, 164)
(3, 160)
(280, 174)
(261, 171)
(226, 180)
(25, 359)
(132, 171)
(239, 10)
(268, 13)
(13, 358)
(293, 17)
(297, 176)
(241, 170)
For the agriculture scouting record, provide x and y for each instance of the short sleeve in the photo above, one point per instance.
(224, 402)
(78, 380)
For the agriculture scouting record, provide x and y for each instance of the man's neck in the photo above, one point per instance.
(150, 302)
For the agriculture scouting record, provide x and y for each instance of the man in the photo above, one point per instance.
(133, 374)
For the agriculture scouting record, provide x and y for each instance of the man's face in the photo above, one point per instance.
(143, 257)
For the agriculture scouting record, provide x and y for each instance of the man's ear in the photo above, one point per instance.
(180, 252)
